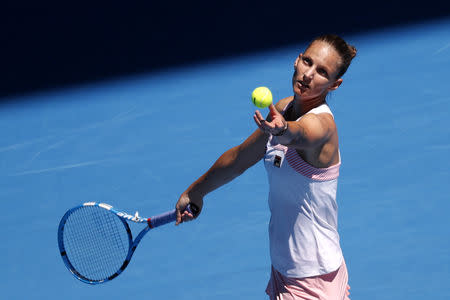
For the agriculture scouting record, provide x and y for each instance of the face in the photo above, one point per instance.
(316, 71)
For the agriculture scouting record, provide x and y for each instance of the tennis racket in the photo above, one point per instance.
(96, 243)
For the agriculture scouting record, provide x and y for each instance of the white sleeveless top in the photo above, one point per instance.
(303, 233)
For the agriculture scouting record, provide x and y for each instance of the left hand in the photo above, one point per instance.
(275, 126)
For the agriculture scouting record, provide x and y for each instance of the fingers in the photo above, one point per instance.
(187, 216)
(180, 208)
(276, 124)
(184, 216)
(259, 116)
(272, 108)
(262, 123)
(258, 120)
(195, 202)
(179, 217)
(274, 113)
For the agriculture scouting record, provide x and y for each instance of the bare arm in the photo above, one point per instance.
(228, 166)
(314, 136)
(308, 133)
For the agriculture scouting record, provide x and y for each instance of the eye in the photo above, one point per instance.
(322, 72)
(307, 61)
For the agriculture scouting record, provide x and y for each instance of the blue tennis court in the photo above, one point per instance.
(138, 142)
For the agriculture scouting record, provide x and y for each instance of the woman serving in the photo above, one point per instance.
(299, 144)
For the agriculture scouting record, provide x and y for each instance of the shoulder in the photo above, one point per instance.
(281, 105)
(320, 126)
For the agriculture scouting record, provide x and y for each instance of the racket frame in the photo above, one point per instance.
(124, 217)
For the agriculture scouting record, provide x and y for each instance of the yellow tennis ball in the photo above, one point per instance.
(262, 97)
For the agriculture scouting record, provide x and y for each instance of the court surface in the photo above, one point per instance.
(137, 143)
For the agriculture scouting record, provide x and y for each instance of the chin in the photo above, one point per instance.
(298, 93)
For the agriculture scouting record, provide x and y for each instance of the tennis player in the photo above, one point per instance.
(298, 142)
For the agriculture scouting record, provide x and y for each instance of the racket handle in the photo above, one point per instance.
(170, 216)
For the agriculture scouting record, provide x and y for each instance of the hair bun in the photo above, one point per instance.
(352, 51)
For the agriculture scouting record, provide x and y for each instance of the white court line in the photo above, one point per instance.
(60, 168)
(53, 146)
(23, 144)
(442, 49)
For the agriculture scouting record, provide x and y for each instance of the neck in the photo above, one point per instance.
(305, 105)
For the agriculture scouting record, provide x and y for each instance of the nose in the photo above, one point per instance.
(308, 75)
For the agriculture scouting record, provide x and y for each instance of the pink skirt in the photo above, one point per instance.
(331, 286)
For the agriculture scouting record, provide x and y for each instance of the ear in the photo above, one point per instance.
(297, 60)
(335, 85)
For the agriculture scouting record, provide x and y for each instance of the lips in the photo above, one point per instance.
(302, 85)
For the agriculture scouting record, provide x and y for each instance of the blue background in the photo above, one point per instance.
(137, 142)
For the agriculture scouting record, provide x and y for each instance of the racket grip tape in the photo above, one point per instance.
(170, 216)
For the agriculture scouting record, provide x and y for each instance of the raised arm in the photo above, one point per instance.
(314, 135)
(228, 166)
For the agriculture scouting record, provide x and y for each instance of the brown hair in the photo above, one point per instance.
(346, 51)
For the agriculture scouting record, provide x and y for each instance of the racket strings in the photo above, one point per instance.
(96, 242)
